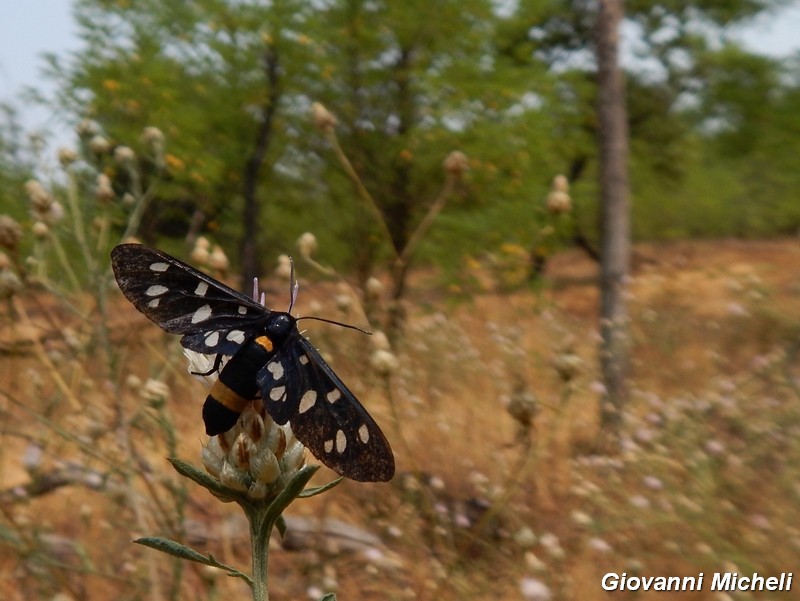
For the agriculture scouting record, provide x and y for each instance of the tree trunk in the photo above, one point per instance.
(615, 211)
(249, 251)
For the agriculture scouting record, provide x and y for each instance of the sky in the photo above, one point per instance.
(29, 29)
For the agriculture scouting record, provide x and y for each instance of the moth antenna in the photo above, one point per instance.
(337, 323)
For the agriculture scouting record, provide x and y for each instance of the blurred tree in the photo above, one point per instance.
(17, 161)
(210, 75)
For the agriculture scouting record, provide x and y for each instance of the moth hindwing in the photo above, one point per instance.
(268, 357)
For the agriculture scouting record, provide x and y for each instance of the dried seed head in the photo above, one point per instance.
(41, 199)
(384, 362)
(124, 155)
(456, 163)
(218, 259)
(560, 183)
(558, 199)
(10, 232)
(323, 119)
(87, 128)
(374, 288)
(99, 144)
(284, 268)
(103, 191)
(67, 156)
(307, 245)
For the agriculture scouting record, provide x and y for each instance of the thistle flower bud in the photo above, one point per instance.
(10, 284)
(261, 459)
(558, 200)
(153, 137)
(200, 254)
(103, 191)
(99, 144)
(307, 245)
(40, 229)
(323, 119)
(560, 183)
(384, 362)
(67, 156)
(10, 232)
(87, 128)
(374, 288)
(154, 392)
(567, 365)
(41, 199)
(124, 155)
(218, 259)
(456, 163)
(284, 268)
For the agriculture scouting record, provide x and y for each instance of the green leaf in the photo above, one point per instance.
(329, 597)
(181, 551)
(292, 491)
(310, 492)
(205, 480)
(173, 548)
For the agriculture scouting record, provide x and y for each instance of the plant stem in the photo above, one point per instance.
(260, 529)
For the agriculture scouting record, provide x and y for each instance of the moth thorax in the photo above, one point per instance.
(279, 327)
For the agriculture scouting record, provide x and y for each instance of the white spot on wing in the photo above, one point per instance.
(276, 369)
(363, 433)
(201, 314)
(341, 442)
(328, 445)
(159, 266)
(236, 336)
(278, 393)
(334, 395)
(304, 359)
(156, 290)
(308, 400)
(201, 289)
(212, 339)
(154, 303)
(242, 310)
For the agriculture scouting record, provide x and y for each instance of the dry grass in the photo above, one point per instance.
(706, 479)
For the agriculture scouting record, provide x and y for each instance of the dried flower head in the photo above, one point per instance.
(40, 229)
(10, 232)
(558, 199)
(155, 392)
(284, 268)
(67, 156)
(99, 144)
(307, 245)
(10, 283)
(124, 155)
(153, 137)
(103, 191)
(374, 288)
(456, 163)
(560, 183)
(323, 119)
(41, 199)
(218, 259)
(384, 362)
(87, 128)
(558, 202)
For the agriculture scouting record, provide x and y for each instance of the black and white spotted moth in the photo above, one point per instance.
(268, 356)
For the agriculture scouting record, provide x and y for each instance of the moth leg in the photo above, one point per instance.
(217, 363)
